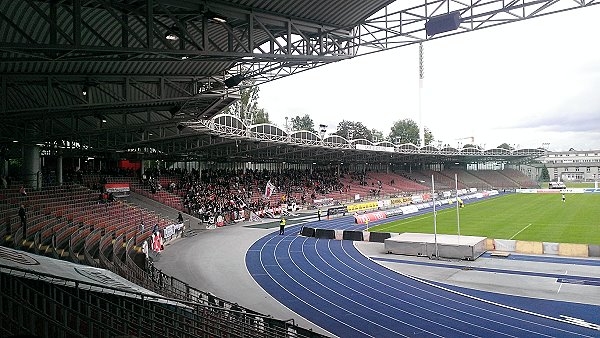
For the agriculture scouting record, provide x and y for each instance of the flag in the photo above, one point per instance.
(269, 189)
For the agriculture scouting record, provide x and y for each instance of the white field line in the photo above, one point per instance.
(515, 235)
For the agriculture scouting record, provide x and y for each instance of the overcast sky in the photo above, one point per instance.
(523, 83)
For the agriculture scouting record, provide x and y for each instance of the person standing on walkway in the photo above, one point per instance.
(281, 225)
(319, 214)
(23, 220)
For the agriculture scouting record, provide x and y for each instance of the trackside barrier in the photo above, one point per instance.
(366, 236)
(341, 210)
(307, 232)
(559, 191)
(573, 250)
(543, 248)
(363, 206)
(372, 217)
(508, 245)
(550, 248)
(594, 250)
(325, 233)
(489, 244)
(353, 235)
(527, 247)
(379, 236)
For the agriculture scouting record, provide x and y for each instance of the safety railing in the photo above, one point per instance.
(49, 306)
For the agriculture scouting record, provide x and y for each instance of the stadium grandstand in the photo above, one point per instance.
(113, 139)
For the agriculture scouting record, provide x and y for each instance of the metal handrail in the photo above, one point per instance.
(234, 321)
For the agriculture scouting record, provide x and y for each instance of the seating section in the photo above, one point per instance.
(211, 193)
(61, 219)
(495, 178)
(467, 179)
(443, 181)
(480, 179)
(521, 179)
(144, 188)
(417, 177)
(71, 223)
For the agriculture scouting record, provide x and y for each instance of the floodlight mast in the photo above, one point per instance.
(421, 79)
(457, 206)
(434, 218)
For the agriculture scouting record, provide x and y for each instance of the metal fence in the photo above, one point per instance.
(49, 306)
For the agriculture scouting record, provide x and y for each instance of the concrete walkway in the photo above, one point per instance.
(214, 261)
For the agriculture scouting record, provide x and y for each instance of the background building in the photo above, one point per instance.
(573, 165)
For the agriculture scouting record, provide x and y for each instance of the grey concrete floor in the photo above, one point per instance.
(214, 261)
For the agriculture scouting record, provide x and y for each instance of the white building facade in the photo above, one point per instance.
(576, 165)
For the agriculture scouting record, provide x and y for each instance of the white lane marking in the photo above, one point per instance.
(515, 235)
(332, 224)
(294, 295)
(342, 296)
(395, 282)
(358, 292)
(472, 297)
(581, 322)
(390, 296)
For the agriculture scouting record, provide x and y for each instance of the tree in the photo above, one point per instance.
(407, 131)
(377, 135)
(545, 177)
(505, 146)
(303, 123)
(246, 108)
(260, 115)
(428, 136)
(353, 130)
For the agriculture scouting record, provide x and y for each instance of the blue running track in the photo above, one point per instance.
(333, 285)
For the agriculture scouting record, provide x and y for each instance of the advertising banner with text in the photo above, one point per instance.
(116, 187)
(373, 216)
(363, 206)
(400, 200)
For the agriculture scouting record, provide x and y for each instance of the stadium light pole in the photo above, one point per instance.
(421, 79)
(434, 218)
(457, 211)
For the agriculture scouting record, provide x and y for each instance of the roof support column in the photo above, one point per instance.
(4, 167)
(59, 170)
(31, 167)
(3, 94)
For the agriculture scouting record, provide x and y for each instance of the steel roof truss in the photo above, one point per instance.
(397, 28)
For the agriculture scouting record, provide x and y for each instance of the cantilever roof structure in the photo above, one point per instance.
(120, 76)
(225, 138)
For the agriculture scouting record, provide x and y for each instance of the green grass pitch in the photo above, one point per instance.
(529, 217)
